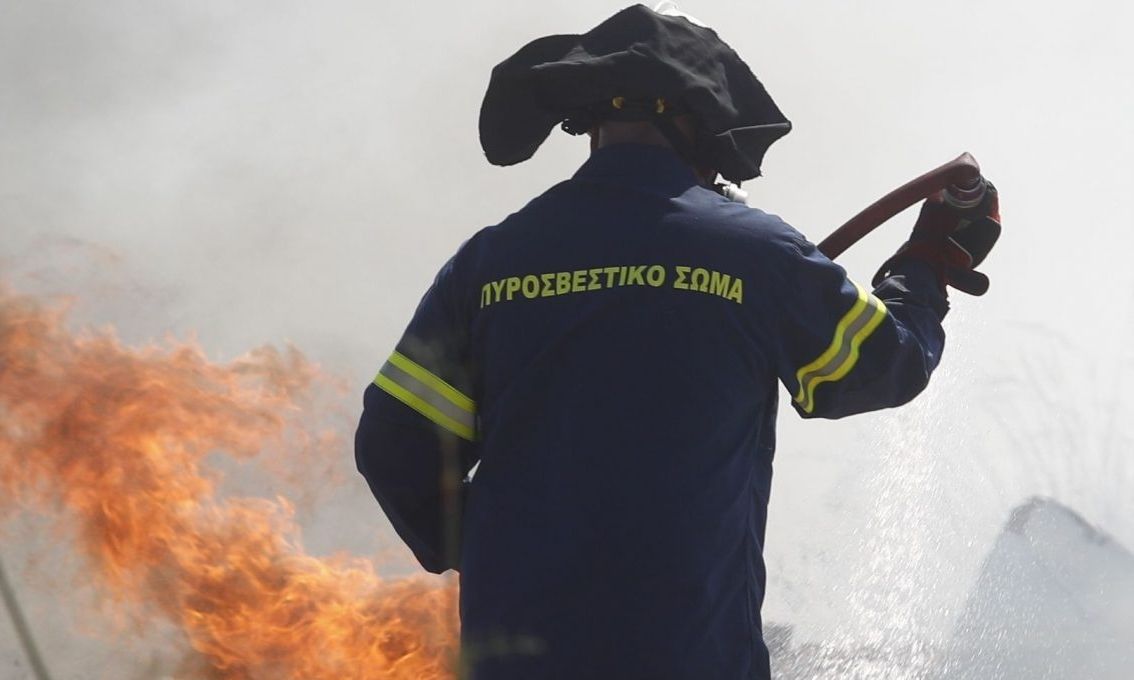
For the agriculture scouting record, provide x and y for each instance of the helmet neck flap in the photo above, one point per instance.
(637, 65)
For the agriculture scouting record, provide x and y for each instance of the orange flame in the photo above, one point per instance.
(117, 436)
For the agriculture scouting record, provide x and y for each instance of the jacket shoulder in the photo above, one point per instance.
(751, 230)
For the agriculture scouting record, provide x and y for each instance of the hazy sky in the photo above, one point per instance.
(297, 171)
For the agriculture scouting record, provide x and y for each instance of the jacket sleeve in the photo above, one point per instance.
(416, 439)
(842, 349)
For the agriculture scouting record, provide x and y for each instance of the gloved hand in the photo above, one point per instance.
(953, 241)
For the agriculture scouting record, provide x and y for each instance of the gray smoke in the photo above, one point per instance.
(290, 171)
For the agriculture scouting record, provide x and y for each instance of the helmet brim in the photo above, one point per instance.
(636, 54)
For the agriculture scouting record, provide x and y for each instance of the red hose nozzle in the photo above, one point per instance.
(960, 178)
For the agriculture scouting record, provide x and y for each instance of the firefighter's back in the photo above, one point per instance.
(615, 523)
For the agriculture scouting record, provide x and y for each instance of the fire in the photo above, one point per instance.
(118, 437)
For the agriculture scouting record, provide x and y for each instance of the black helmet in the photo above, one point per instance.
(636, 65)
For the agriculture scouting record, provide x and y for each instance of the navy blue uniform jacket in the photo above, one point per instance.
(609, 356)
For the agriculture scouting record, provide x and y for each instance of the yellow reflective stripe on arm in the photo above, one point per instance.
(424, 408)
(440, 386)
(429, 395)
(842, 354)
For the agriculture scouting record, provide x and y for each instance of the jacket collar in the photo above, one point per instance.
(644, 167)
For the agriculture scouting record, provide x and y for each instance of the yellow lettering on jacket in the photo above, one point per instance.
(531, 286)
(636, 278)
(578, 280)
(709, 281)
(718, 284)
(700, 280)
(610, 272)
(595, 279)
(681, 282)
(595, 284)
(736, 293)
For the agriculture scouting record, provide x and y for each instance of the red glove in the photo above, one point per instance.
(952, 240)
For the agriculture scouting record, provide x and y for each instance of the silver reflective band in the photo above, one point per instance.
(429, 395)
(842, 354)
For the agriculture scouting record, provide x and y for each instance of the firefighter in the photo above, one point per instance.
(607, 359)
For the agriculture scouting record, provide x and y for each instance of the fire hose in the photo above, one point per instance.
(960, 178)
